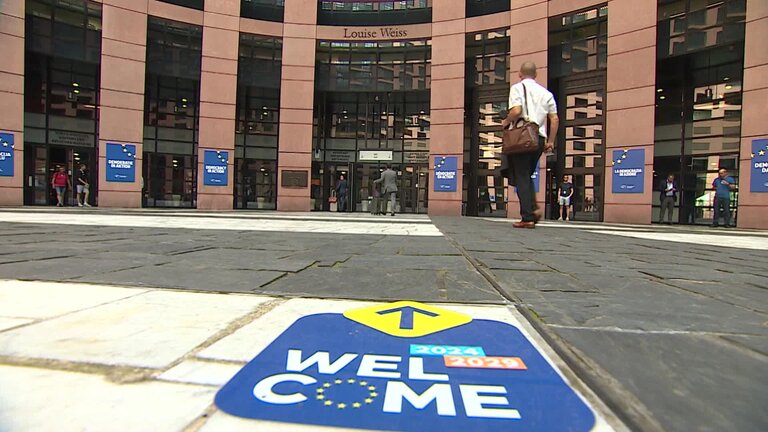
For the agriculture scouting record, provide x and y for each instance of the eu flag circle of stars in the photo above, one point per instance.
(439, 164)
(369, 394)
(220, 156)
(127, 152)
(760, 152)
(623, 156)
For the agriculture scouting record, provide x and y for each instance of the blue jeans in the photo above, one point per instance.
(725, 203)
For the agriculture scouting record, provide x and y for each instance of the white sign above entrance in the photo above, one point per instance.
(375, 155)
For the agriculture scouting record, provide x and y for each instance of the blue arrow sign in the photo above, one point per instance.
(406, 315)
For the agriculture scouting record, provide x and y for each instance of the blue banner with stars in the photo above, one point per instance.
(6, 154)
(405, 367)
(446, 173)
(628, 171)
(121, 163)
(758, 178)
(215, 168)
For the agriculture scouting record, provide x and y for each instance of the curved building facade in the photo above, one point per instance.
(267, 104)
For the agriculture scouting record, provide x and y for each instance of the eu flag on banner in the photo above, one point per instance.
(628, 171)
(121, 163)
(758, 179)
(215, 170)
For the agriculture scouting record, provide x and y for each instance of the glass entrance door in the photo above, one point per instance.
(414, 189)
(169, 180)
(41, 161)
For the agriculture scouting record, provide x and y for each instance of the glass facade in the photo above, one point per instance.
(361, 13)
(485, 7)
(61, 92)
(698, 102)
(171, 113)
(268, 10)
(371, 97)
(258, 122)
(486, 98)
(578, 55)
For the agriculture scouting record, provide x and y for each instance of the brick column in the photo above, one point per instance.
(447, 99)
(121, 102)
(753, 206)
(12, 93)
(218, 97)
(630, 101)
(297, 89)
(529, 38)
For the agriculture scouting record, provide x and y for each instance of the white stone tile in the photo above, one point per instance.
(277, 224)
(6, 323)
(223, 422)
(201, 372)
(150, 330)
(244, 344)
(45, 400)
(48, 299)
(730, 241)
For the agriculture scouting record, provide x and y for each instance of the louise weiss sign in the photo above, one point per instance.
(405, 366)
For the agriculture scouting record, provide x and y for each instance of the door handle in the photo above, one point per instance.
(30, 181)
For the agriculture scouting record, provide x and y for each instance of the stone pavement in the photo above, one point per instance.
(668, 325)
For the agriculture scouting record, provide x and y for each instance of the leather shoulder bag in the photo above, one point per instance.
(522, 136)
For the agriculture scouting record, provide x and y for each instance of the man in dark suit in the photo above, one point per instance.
(342, 188)
(389, 186)
(668, 190)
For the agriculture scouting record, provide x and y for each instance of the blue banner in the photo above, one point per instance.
(6, 155)
(446, 173)
(215, 169)
(629, 171)
(121, 163)
(758, 175)
(478, 375)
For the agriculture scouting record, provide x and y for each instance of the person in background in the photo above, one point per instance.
(389, 186)
(564, 196)
(60, 182)
(668, 198)
(723, 185)
(83, 186)
(341, 193)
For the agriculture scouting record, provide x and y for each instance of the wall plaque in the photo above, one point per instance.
(294, 179)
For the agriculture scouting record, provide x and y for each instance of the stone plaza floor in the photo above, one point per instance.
(133, 320)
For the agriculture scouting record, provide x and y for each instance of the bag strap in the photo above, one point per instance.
(525, 95)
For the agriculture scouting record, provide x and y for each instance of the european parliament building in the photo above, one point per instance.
(266, 104)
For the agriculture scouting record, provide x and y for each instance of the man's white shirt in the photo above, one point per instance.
(541, 102)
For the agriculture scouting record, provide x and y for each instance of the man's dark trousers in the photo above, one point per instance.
(521, 168)
(725, 203)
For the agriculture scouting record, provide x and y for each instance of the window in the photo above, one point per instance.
(194, 4)
(374, 12)
(578, 42)
(269, 10)
(69, 29)
(485, 7)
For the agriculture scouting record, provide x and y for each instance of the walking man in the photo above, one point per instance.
(83, 186)
(565, 195)
(723, 185)
(528, 99)
(389, 181)
(668, 198)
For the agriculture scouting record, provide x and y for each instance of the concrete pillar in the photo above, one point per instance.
(529, 38)
(753, 206)
(12, 93)
(121, 102)
(630, 101)
(218, 97)
(447, 96)
(297, 89)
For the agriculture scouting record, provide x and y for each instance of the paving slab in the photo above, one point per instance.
(201, 372)
(671, 375)
(37, 300)
(179, 275)
(59, 268)
(150, 330)
(8, 323)
(51, 400)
